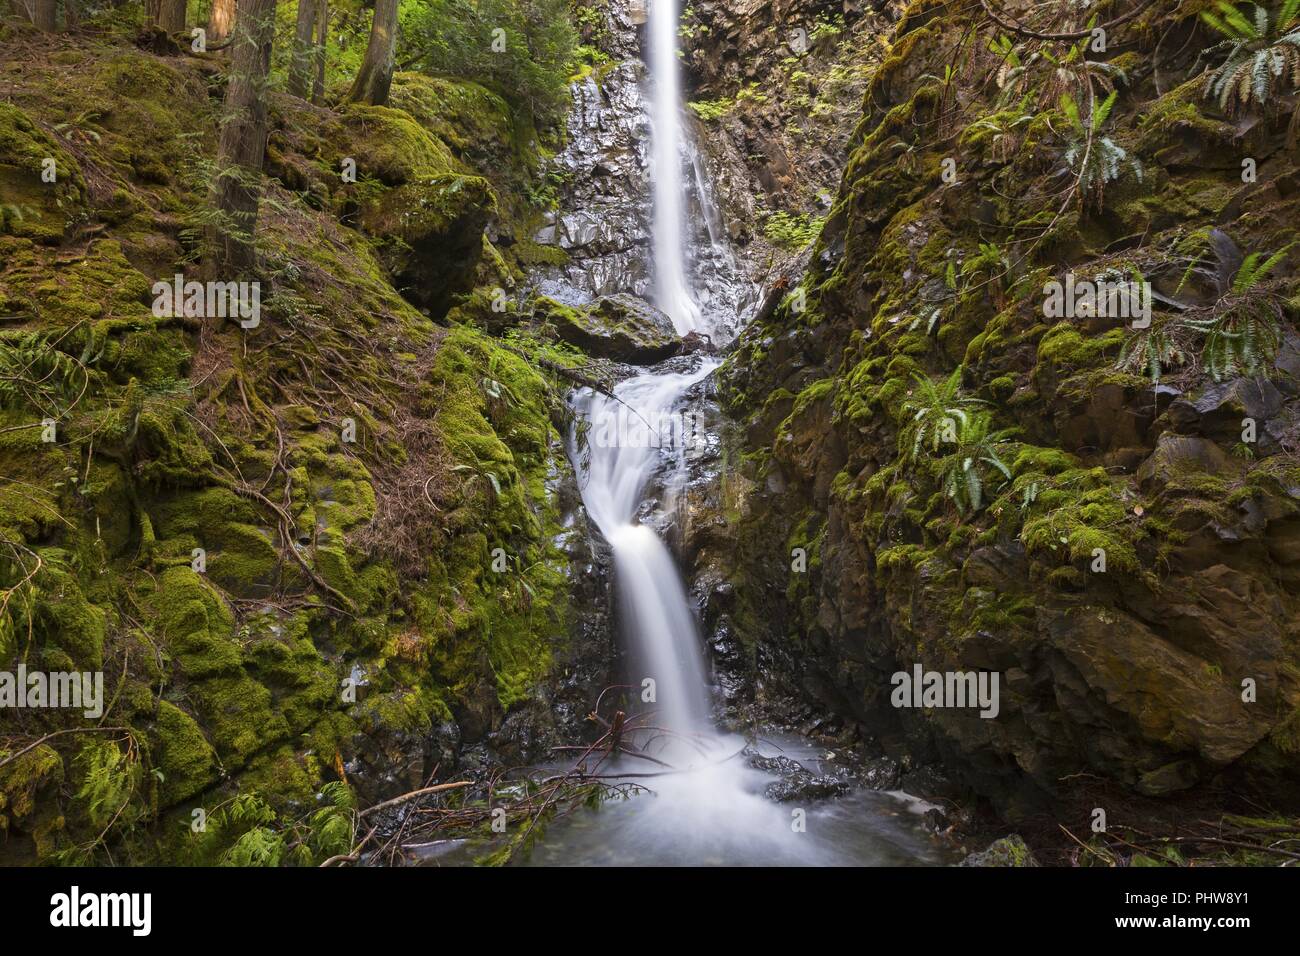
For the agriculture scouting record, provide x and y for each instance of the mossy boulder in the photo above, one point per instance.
(474, 121)
(185, 759)
(620, 327)
(42, 193)
(1008, 851)
(389, 145)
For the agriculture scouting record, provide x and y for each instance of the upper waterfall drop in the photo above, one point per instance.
(672, 291)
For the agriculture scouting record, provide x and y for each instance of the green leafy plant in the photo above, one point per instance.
(1243, 331)
(1096, 159)
(709, 110)
(938, 412)
(1003, 130)
(1239, 334)
(1044, 75)
(455, 38)
(110, 777)
(964, 474)
(993, 267)
(332, 827)
(246, 831)
(792, 231)
(1263, 53)
(826, 27)
(1153, 350)
(34, 372)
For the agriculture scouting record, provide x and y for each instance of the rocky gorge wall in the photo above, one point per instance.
(925, 290)
(602, 224)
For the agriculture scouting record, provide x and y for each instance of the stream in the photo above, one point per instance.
(712, 807)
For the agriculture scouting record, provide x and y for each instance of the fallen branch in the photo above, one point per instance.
(438, 788)
(1024, 31)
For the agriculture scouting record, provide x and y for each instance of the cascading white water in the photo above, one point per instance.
(716, 809)
(672, 291)
(711, 806)
(624, 447)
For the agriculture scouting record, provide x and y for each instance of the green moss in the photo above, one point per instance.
(391, 146)
(102, 284)
(30, 206)
(1176, 114)
(240, 716)
(185, 759)
(426, 207)
(494, 424)
(1066, 347)
(529, 253)
(1080, 511)
(994, 613)
(902, 557)
(466, 116)
(194, 624)
(1002, 387)
(815, 392)
(28, 786)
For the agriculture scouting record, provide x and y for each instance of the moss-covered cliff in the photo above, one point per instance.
(978, 486)
(325, 549)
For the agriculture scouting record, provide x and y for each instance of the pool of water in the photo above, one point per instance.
(719, 815)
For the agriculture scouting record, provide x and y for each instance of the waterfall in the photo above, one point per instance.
(672, 291)
(716, 811)
(637, 435)
(625, 446)
(629, 450)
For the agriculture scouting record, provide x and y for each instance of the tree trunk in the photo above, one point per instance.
(322, 34)
(220, 20)
(237, 187)
(301, 60)
(171, 16)
(376, 73)
(42, 13)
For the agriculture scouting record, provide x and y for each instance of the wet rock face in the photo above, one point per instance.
(797, 782)
(779, 83)
(604, 220)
